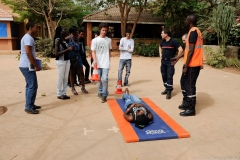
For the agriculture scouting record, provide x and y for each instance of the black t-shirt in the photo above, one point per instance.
(169, 48)
(193, 37)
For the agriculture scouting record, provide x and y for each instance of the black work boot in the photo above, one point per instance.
(184, 105)
(168, 95)
(189, 112)
(164, 92)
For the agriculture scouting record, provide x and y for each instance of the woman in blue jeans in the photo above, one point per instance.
(135, 110)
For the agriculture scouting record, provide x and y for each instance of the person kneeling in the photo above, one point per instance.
(135, 110)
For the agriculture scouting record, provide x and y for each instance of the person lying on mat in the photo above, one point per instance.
(135, 110)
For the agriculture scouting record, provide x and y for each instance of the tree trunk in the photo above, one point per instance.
(48, 25)
(136, 20)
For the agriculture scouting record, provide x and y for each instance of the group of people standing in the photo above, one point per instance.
(70, 53)
(193, 60)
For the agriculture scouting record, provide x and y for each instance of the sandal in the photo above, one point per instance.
(74, 92)
(84, 90)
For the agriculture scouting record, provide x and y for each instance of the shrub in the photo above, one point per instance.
(45, 47)
(233, 62)
(217, 59)
(234, 36)
(147, 50)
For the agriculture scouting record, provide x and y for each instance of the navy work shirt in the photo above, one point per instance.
(169, 48)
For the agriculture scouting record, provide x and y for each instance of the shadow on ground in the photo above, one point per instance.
(204, 101)
(140, 81)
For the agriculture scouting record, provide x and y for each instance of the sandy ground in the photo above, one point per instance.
(82, 128)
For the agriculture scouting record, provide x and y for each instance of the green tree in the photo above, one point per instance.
(223, 18)
(125, 7)
(47, 11)
(175, 12)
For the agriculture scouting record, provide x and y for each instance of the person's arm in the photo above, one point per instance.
(160, 51)
(150, 116)
(93, 49)
(57, 46)
(180, 55)
(121, 47)
(94, 57)
(127, 115)
(131, 48)
(31, 58)
(110, 49)
(189, 57)
(192, 40)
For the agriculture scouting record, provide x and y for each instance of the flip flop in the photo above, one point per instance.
(74, 92)
(84, 90)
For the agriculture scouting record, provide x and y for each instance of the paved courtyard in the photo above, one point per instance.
(82, 128)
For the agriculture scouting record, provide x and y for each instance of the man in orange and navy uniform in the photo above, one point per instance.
(167, 50)
(193, 58)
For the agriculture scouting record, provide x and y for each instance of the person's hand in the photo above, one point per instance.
(201, 67)
(94, 63)
(70, 48)
(185, 70)
(174, 60)
(37, 68)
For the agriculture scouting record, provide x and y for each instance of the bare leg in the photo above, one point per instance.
(82, 80)
(72, 74)
(126, 91)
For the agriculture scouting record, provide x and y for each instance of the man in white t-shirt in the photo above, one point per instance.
(126, 47)
(101, 52)
(27, 58)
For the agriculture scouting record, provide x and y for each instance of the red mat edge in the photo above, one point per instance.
(125, 127)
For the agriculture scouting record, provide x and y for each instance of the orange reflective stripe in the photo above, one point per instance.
(197, 57)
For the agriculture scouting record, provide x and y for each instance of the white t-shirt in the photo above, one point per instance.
(126, 48)
(102, 47)
(27, 40)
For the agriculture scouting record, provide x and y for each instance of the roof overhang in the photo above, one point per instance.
(6, 19)
(129, 22)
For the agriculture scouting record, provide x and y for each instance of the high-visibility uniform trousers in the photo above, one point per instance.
(188, 84)
(167, 71)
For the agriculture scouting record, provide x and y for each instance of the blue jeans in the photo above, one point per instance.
(167, 71)
(31, 87)
(128, 64)
(130, 99)
(103, 84)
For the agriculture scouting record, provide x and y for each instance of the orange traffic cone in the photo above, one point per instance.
(95, 74)
(119, 87)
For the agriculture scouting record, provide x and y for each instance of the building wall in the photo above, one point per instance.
(6, 43)
(117, 32)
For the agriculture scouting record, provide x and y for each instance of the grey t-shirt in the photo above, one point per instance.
(27, 40)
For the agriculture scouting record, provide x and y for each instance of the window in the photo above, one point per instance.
(111, 31)
(3, 30)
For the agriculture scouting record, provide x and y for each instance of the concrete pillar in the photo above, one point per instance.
(9, 34)
(88, 32)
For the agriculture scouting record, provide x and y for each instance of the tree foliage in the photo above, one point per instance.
(51, 12)
(175, 12)
(125, 6)
(223, 19)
